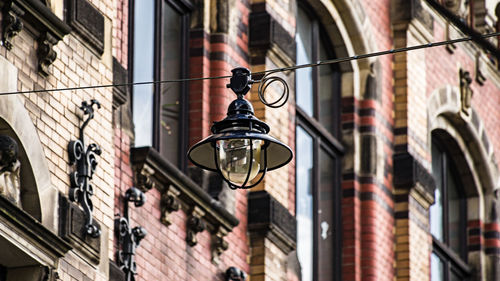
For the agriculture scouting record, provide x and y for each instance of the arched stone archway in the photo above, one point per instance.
(468, 143)
(345, 24)
(40, 197)
(445, 112)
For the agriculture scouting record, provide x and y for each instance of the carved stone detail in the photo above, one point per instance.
(169, 203)
(143, 178)
(480, 78)
(465, 91)
(195, 224)
(219, 245)
(458, 7)
(45, 52)
(10, 182)
(11, 25)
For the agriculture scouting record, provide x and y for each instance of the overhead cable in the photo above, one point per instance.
(282, 69)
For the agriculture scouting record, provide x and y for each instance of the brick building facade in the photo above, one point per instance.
(394, 175)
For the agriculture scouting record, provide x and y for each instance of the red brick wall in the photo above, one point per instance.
(367, 204)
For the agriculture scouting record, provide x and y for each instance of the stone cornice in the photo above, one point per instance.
(180, 192)
(42, 18)
(27, 226)
(269, 218)
(411, 175)
(33, 15)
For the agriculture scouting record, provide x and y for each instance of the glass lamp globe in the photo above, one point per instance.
(239, 159)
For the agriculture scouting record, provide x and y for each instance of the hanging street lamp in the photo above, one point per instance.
(240, 148)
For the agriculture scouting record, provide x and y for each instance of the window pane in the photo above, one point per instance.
(437, 268)
(171, 58)
(326, 88)
(326, 231)
(304, 88)
(456, 233)
(455, 277)
(436, 210)
(304, 203)
(143, 70)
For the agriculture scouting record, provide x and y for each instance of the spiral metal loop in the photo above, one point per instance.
(264, 83)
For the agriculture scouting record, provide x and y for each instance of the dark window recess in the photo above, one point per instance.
(159, 40)
(448, 219)
(3, 273)
(318, 153)
(88, 22)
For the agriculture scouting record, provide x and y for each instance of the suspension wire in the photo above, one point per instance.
(270, 71)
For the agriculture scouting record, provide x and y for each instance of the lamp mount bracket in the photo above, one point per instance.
(128, 237)
(241, 82)
(85, 159)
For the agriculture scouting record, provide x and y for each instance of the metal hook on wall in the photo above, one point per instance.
(85, 159)
(129, 238)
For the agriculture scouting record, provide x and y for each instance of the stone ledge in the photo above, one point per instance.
(180, 192)
(32, 232)
(265, 33)
(72, 229)
(35, 16)
(410, 174)
(267, 217)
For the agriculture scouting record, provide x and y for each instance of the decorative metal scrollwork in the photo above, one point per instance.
(265, 82)
(129, 238)
(81, 190)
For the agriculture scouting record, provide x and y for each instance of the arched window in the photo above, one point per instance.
(317, 154)
(448, 218)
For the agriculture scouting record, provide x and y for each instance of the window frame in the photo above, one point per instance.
(452, 261)
(184, 8)
(323, 139)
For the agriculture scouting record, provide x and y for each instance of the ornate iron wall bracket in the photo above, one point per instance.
(129, 238)
(86, 162)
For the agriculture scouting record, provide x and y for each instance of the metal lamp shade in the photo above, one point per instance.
(240, 124)
(203, 153)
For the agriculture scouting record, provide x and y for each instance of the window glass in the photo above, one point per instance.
(326, 92)
(436, 210)
(455, 277)
(171, 58)
(304, 204)
(143, 70)
(454, 216)
(304, 88)
(447, 217)
(437, 268)
(326, 214)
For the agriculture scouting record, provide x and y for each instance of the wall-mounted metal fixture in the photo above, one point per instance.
(86, 162)
(129, 238)
(240, 147)
(235, 274)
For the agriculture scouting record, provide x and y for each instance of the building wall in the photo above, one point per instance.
(390, 106)
(57, 119)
